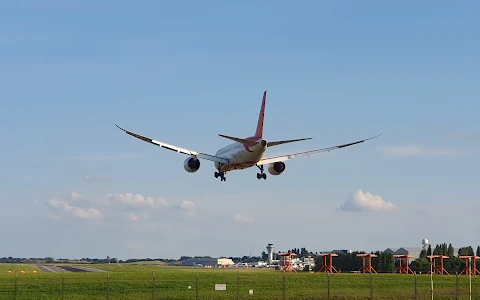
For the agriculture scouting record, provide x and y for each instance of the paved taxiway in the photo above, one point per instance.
(48, 268)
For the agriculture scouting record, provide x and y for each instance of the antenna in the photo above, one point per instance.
(424, 243)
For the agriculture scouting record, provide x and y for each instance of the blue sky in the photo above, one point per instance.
(74, 186)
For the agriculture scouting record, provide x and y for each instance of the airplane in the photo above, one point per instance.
(243, 153)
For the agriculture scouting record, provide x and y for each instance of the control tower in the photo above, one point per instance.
(270, 253)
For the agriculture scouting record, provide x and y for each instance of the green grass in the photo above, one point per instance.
(4, 268)
(134, 281)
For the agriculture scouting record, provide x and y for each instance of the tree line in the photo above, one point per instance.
(452, 265)
(344, 262)
(347, 262)
(385, 262)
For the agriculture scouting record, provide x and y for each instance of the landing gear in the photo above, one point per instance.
(221, 175)
(261, 174)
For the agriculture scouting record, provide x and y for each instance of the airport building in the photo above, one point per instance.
(415, 252)
(208, 261)
(341, 251)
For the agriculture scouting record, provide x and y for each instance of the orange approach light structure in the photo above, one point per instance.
(367, 268)
(405, 269)
(328, 267)
(287, 262)
(438, 269)
(474, 269)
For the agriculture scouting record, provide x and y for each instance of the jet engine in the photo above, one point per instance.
(191, 164)
(276, 168)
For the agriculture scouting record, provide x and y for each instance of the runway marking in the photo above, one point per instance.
(89, 269)
(49, 269)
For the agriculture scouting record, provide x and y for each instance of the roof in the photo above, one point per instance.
(391, 250)
(415, 251)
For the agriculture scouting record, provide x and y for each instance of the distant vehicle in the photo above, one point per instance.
(243, 153)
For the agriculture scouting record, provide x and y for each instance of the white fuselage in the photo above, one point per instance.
(241, 156)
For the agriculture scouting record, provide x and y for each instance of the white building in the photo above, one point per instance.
(270, 251)
(208, 261)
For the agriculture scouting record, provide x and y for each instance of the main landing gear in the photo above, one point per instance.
(221, 175)
(261, 174)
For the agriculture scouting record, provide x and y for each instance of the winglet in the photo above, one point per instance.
(120, 127)
(259, 131)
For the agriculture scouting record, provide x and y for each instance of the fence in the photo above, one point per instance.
(234, 285)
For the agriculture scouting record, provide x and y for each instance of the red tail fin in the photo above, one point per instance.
(259, 132)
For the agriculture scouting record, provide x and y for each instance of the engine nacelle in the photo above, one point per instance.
(191, 164)
(276, 168)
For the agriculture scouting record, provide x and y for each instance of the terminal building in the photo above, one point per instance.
(208, 261)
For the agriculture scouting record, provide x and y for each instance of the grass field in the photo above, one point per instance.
(135, 281)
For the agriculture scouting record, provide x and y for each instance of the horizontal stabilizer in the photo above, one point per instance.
(241, 141)
(271, 144)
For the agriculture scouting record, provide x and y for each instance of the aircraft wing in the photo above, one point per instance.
(176, 148)
(269, 160)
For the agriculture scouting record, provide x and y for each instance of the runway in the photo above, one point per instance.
(49, 268)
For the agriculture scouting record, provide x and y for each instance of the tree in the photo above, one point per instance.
(318, 264)
(376, 262)
(429, 250)
(470, 251)
(444, 249)
(421, 264)
(383, 264)
(465, 251)
(389, 262)
(423, 253)
(478, 250)
(304, 252)
(264, 256)
(451, 251)
(440, 250)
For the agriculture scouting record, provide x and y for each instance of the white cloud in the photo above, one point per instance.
(242, 219)
(133, 217)
(90, 213)
(137, 217)
(414, 150)
(75, 195)
(138, 200)
(188, 207)
(365, 201)
(133, 208)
